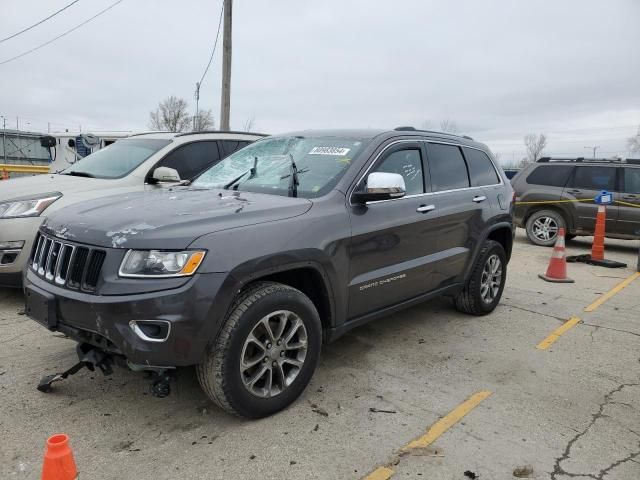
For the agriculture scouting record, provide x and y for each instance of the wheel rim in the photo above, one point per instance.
(273, 354)
(545, 228)
(491, 279)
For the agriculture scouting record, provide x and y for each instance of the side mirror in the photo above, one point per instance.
(166, 174)
(381, 186)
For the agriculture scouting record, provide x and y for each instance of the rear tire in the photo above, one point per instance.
(483, 290)
(266, 353)
(543, 226)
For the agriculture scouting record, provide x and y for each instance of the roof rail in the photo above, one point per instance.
(235, 132)
(148, 133)
(634, 161)
(413, 129)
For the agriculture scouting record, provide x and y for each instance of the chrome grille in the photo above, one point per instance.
(72, 266)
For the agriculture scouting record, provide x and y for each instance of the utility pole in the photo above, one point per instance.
(225, 102)
(594, 148)
(197, 97)
(4, 138)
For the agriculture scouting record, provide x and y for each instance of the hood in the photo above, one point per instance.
(38, 184)
(169, 219)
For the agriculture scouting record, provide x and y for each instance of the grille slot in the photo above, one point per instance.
(72, 266)
(93, 270)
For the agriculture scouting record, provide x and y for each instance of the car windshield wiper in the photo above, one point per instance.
(253, 171)
(80, 174)
(293, 180)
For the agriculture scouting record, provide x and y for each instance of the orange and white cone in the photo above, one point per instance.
(557, 270)
(58, 460)
(597, 249)
(5, 174)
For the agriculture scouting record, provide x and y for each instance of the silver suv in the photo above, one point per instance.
(556, 193)
(141, 162)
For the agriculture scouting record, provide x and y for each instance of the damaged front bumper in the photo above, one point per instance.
(161, 329)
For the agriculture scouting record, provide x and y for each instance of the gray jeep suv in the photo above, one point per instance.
(559, 192)
(289, 242)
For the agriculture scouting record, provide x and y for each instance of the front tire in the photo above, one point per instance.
(483, 290)
(266, 353)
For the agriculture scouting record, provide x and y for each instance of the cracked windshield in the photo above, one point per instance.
(266, 166)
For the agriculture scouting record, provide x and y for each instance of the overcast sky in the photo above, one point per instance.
(499, 69)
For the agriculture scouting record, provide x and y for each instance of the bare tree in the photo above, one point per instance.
(203, 121)
(426, 125)
(634, 143)
(534, 144)
(448, 126)
(171, 115)
(249, 124)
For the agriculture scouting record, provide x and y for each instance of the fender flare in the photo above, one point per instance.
(485, 235)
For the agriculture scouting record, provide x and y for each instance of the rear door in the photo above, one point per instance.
(394, 242)
(227, 147)
(463, 211)
(191, 159)
(628, 202)
(586, 182)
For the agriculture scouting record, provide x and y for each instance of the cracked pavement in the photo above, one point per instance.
(571, 412)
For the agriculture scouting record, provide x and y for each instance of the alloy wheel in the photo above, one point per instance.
(545, 228)
(273, 354)
(491, 279)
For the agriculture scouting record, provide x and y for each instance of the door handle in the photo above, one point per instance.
(630, 197)
(575, 191)
(479, 198)
(425, 208)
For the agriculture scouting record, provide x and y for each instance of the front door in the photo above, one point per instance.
(628, 202)
(585, 183)
(394, 242)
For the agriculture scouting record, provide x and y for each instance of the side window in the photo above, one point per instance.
(631, 180)
(192, 159)
(227, 147)
(407, 163)
(448, 168)
(481, 169)
(594, 178)
(550, 175)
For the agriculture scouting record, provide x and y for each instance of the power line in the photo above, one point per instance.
(198, 84)
(62, 35)
(36, 24)
(214, 45)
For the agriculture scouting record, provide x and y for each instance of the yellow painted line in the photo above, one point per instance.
(380, 473)
(555, 335)
(612, 292)
(448, 421)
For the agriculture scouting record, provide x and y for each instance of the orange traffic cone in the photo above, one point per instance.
(557, 270)
(58, 459)
(5, 174)
(597, 250)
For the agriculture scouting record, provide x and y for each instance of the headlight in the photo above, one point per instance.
(30, 207)
(159, 264)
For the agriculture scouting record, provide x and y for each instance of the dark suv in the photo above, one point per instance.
(560, 192)
(289, 242)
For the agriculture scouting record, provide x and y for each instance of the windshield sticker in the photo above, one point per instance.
(335, 151)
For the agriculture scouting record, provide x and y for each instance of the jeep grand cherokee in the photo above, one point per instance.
(287, 243)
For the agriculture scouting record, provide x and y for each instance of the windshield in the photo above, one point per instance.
(266, 166)
(116, 160)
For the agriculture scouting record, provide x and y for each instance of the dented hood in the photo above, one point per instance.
(170, 219)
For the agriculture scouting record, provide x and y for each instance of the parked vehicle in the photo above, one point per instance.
(137, 163)
(568, 187)
(289, 242)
